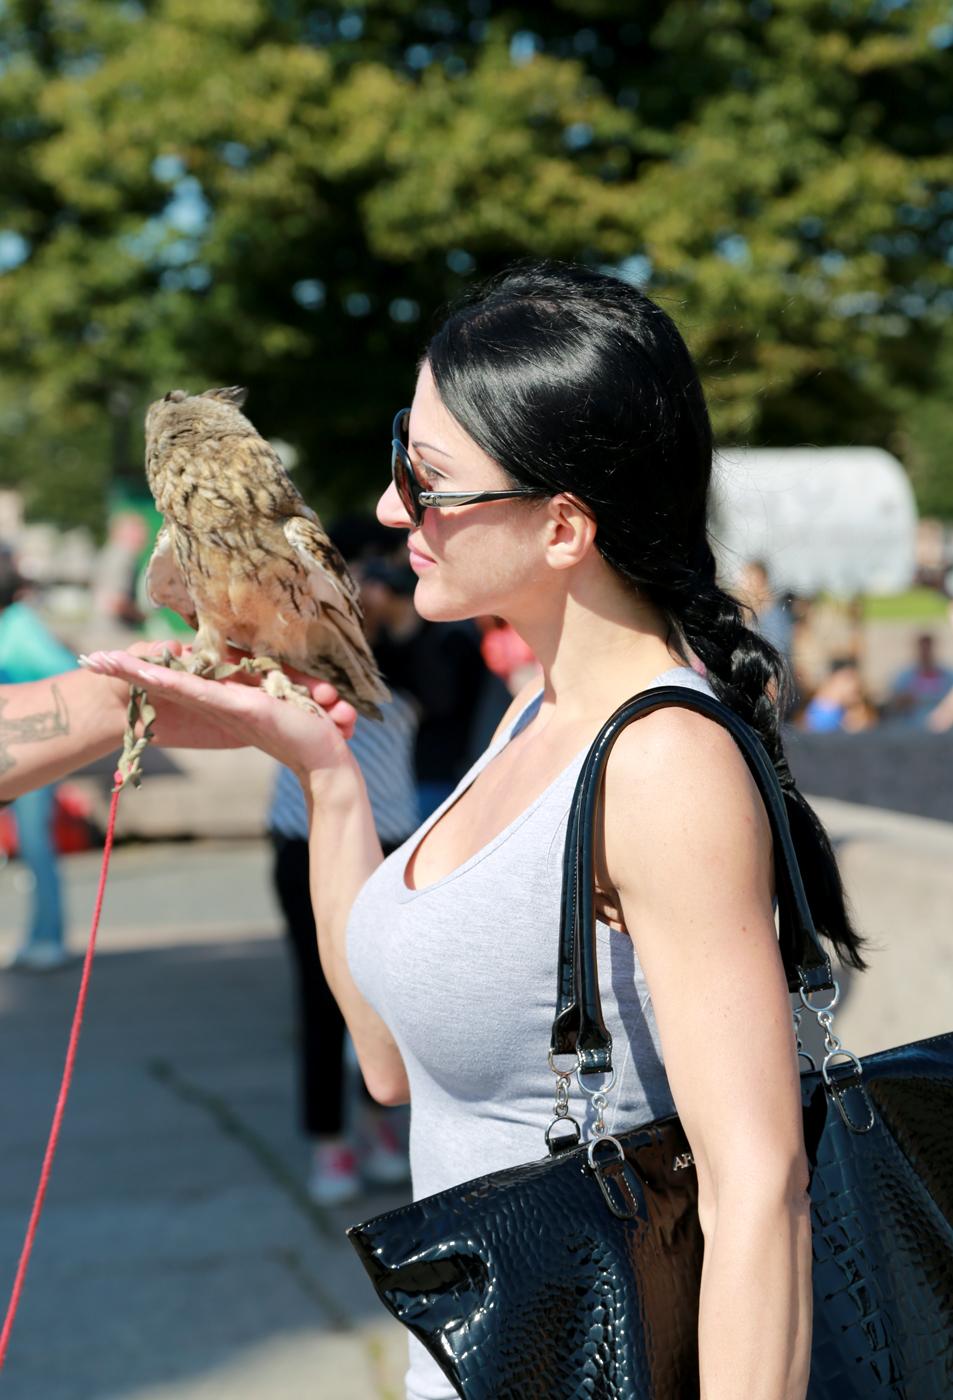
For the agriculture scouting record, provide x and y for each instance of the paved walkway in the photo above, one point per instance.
(178, 1257)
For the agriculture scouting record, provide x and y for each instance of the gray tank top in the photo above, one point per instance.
(463, 972)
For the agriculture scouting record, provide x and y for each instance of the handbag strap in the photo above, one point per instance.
(579, 1026)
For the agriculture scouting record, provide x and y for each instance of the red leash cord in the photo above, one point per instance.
(64, 1088)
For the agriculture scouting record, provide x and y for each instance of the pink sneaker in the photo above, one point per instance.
(385, 1161)
(334, 1176)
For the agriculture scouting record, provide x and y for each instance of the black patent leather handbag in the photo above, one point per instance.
(578, 1275)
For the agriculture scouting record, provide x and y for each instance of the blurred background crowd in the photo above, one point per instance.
(286, 195)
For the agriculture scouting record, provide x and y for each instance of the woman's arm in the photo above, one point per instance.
(50, 727)
(688, 853)
(344, 852)
(343, 843)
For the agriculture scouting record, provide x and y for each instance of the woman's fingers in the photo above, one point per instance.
(181, 687)
(157, 649)
(193, 712)
(323, 693)
(235, 700)
(344, 716)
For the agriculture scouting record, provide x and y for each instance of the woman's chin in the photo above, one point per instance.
(429, 605)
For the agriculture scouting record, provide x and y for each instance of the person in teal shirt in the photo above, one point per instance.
(30, 652)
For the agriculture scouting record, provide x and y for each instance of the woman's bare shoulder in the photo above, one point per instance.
(676, 742)
(676, 776)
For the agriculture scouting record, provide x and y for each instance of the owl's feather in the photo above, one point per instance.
(165, 586)
(241, 556)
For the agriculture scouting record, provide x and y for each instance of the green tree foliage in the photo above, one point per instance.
(211, 191)
(925, 440)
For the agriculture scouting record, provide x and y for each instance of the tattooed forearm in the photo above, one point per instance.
(31, 729)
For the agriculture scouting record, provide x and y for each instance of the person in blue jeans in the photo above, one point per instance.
(29, 652)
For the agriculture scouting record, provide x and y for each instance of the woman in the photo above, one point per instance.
(562, 408)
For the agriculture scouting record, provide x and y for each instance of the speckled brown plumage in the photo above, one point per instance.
(241, 556)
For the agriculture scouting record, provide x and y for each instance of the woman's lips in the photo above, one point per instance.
(419, 562)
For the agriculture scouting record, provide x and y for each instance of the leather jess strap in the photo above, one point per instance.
(579, 1025)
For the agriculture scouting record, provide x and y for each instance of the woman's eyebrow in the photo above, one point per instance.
(429, 447)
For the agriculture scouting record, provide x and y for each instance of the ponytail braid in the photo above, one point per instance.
(751, 676)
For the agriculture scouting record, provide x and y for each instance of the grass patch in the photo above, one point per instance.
(916, 605)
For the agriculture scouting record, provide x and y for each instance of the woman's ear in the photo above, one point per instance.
(570, 531)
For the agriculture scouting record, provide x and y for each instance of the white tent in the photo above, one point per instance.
(840, 520)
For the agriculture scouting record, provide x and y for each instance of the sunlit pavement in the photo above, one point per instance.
(178, 1254)
(178, 1258)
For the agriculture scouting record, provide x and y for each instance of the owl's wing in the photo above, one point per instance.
(334, 645)
(165, 586)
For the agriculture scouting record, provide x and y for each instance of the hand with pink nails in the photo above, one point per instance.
(51, 727)
(193, 712)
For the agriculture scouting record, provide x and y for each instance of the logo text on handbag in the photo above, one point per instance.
(683, 1160)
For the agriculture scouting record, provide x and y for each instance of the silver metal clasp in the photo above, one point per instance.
(620, 1187)
(847, 1090)
(561, 1141)
(600, 1102)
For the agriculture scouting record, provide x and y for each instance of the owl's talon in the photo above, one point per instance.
(278, 685)
(199, 664)
(258, 665)
(225, 671)
(169, 660)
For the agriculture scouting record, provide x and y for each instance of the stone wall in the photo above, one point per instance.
(901, 771)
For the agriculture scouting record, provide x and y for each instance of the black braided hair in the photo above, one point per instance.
(573, 380)
(752, 677)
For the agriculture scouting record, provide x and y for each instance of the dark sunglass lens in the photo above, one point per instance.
(403, 473)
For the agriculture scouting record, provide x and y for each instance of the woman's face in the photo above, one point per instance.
(483, 558)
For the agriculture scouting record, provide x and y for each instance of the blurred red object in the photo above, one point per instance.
(73, 829)
(8, 833)
(504, 650)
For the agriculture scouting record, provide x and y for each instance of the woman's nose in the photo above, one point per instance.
(391, 511)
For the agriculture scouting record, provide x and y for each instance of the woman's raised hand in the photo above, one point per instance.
(192, 712)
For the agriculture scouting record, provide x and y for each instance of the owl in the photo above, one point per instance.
(242, 558)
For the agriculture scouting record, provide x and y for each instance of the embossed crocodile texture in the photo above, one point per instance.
(524, 1286)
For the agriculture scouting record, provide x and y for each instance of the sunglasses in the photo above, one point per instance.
(415, 499)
